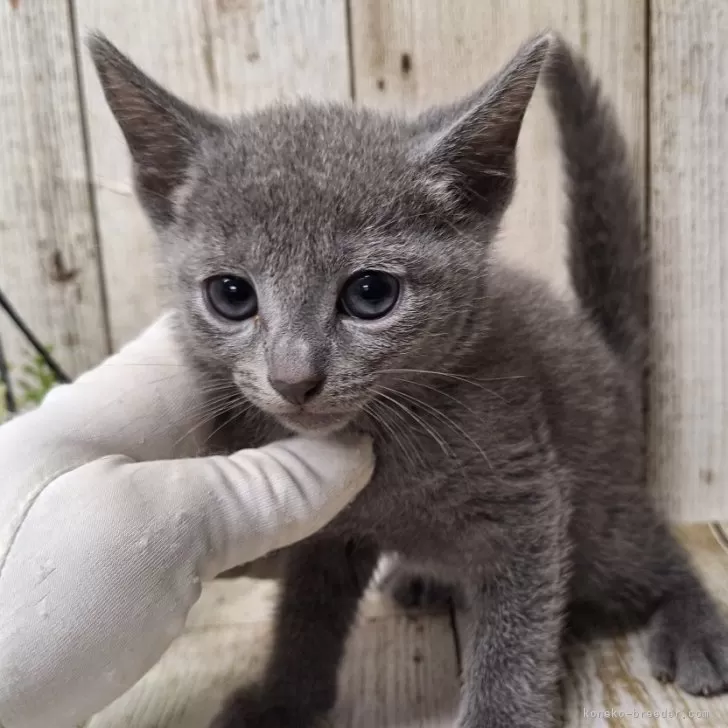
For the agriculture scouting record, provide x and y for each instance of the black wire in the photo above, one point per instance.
(5, 378)
(61, 376)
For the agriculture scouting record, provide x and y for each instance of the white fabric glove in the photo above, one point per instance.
(108, 523)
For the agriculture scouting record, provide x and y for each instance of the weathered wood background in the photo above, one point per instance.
(77, 257)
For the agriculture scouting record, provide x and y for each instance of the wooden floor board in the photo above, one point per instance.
(401, 671)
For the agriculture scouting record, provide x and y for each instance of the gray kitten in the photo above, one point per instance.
(333, 269)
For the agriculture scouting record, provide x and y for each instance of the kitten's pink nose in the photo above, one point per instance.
(298, 391)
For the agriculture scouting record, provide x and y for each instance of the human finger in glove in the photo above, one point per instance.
(108, 524)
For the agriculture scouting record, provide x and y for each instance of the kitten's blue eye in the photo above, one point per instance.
(231, 297)
(370, 294)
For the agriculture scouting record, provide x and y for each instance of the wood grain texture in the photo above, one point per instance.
(48, 258)
(225, 55)
(409, 54)
(401, 670)
(689, 232)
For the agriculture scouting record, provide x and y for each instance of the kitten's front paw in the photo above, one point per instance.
(688, 645)
(253, 709)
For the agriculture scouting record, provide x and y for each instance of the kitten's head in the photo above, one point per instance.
(320, 252)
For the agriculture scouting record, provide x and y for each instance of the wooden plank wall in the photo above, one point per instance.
(689, 233)
(663, 62)
(410, 53)
(48, 256)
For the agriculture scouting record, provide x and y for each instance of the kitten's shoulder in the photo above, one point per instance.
(536, 326)
(522, 303)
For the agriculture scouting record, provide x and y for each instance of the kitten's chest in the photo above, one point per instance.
(447, 476)
(418, 501)
(231, 433)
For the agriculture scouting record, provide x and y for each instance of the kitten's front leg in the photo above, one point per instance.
(513, 657)
(324, 582)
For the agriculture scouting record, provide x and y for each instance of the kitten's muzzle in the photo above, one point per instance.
(312, 424)
(293, 371)
(298, 391)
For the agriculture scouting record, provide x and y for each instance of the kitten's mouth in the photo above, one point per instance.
(314, 423)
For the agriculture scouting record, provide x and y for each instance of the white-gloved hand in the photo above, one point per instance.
(108, 523)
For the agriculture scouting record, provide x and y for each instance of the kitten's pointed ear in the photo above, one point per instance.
(470, 156)
(161, 131)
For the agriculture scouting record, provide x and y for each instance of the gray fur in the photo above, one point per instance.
(508, 428)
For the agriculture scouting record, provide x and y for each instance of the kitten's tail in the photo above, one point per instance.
(606, 253)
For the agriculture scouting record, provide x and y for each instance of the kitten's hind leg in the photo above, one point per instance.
(412, 588)
(688, 639)
(413, 591)
(652, 580)
(324, 582)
